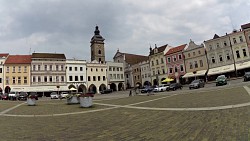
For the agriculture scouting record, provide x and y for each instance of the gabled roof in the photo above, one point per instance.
(192, 46)
(4, 55)
(216, 36)
(48, 55)
(245, 26)
(176, 49)
(160, 49)
(18, 59)
(134, 59)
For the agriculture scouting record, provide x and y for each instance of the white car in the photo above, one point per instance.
(64, 94)
(54, 95)
(161, 88)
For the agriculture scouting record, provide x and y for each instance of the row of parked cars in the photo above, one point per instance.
(13, 95)
(162, 88)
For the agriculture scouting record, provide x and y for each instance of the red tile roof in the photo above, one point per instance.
(4, 55)
(160, 49)
(48, 55)
(245, 26)
(18, 59)
(176, 49)
(134, 59)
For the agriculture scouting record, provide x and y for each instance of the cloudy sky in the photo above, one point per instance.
(66, 26)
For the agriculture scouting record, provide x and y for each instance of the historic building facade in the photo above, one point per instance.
(157, 63)
(97, 47)
(175, 63)
(3, 57)
(145, 73)
(115, 76)
(195, 61)
(76, 75)
(17, 73)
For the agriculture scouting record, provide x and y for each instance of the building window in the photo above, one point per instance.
(218, 45)
(153, 72)
(99, 78)
(163, 71)
(191, 65)
(14, 69)
(100, 60)
(103, 78)
(121, 76)
(25, 68)
(45, 67)
(62, 78)
(152, 62)
(70, 68)
(1, 70)
(99, 52)
(91, 69)
(174, 58)
(188, 54)
(244, 52)
(34, 67)
(157, 63)
(13, 80)
(170, 70)
(94, 78)
(45, 79)
(238, 54)
(50, 79)
(57, 78)
(96, 70)
(0, 80)
(39, 78)
(8, 69)
(89, 79)
(110, 69)
(76, 78)
(19, 80)
(70, 78)
(158, 72)
(169, 60)
(62, 68)
(213, 60)
(182, 68)
(225, 43)
(175, 69)
(19, 69)
(234, 40)
(75, 68)
(81, 68)
(162, 61)
(50, 67)
(195, 64)
(199, 51)
(241, 39)
(25, 80)
(7, 80)
(210, 47)
(39, 67)
(34, 79)
(81, 78)
(228, 56)
(201, 63)
(193, 53)
(220, 57)
(180, 57)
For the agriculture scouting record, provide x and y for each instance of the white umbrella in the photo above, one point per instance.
(72, 89)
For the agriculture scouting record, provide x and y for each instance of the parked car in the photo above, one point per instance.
(13, 95)
(107, 91)
(198, 83)
(22, 96)
(161, 88)
(246, 76)
(175, 86)
(147, 89)
(34, 94)
(63, 94)
(3, 96)
(221, 80)
(54, 95)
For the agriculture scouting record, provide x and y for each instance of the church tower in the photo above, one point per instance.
(97, 47)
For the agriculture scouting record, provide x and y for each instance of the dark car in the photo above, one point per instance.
(3, 96)
(175, 86)
(33, 94)
(198, 83)
(22, 96)
(147, 89)
(221, 80)
(107, 91)
(246, 76)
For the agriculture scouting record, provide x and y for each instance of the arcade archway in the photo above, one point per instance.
(120, 87)
(92, 88)
(82, 88)
(113, 87)
(102, 87)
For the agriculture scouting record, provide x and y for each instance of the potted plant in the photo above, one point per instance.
(86, 99)
(72, 98)
(31, 100)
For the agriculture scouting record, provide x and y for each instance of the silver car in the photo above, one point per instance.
(198, 83)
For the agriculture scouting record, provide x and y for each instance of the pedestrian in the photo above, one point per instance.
(130, 93)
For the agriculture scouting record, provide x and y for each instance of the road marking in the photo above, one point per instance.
(12, 108)
(247, 89)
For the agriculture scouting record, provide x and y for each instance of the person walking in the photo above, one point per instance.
(130, 93)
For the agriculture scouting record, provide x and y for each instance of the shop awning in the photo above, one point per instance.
(221, 70)
(198, 73)
(243, 65)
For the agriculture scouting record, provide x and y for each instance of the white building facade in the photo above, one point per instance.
(2, 60)
(145, 73)
(115, 76)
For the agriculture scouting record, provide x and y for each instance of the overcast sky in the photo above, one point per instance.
(66, 26)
